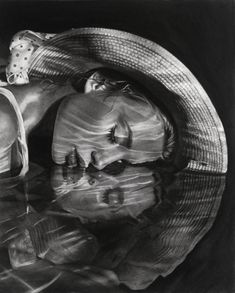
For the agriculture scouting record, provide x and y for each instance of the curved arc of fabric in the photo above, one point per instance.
(22, 135)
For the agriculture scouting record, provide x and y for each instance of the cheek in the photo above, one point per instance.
(147, 145)
(87, 144)
(142, 156)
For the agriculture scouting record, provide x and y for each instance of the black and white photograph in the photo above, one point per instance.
(117, 139)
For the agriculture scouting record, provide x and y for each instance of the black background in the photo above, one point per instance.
(201, 35)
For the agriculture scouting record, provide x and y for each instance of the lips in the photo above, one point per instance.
(73, 159)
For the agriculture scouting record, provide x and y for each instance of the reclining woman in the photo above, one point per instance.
(115, 125)
(116, 130)
(137, 113)
(121, 124)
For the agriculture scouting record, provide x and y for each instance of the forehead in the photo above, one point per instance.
(106, 75)
(93, 105)
(101, 106)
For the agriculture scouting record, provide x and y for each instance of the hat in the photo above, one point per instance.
(201, 138)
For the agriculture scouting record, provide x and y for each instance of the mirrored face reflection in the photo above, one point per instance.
(99, 196)
(106, 128)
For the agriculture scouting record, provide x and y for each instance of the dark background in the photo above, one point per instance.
(201, 35)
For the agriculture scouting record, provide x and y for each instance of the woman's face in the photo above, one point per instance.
(99, 196)
(107, 129)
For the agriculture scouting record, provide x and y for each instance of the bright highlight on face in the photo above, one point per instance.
(108, 126)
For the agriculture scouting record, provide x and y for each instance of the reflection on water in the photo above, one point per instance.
(100, 196)
(66, 230)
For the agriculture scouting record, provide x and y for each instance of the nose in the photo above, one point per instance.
(98, 160)
(93, 158)
(73, 159)
(102, 159)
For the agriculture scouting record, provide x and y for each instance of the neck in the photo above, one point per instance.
(35, 99)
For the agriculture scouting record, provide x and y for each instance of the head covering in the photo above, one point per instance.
(201, 132)
(202, 151)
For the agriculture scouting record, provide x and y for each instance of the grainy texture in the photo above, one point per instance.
(201, 35)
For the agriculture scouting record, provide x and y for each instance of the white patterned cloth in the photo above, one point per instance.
(22, 47)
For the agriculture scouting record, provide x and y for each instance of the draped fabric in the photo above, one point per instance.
(21, 135)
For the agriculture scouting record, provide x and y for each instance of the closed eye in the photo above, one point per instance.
(111, 135)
